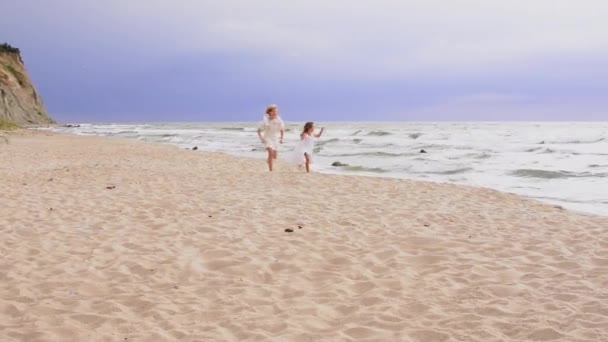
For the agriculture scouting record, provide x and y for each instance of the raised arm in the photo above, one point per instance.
(320, 132)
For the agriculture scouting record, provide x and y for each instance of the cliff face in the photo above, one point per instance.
(19, 100)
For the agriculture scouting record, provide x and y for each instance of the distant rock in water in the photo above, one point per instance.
(415, 135)
(423, 151)
(338, 164)
(20, 103)
(71, 126)
(195, 148)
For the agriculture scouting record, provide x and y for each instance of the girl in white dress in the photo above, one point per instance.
(304, 147)
(271, 132)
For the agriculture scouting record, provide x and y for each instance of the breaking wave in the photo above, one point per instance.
(547, 174)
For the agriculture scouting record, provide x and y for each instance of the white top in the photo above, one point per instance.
(307, 143)
(271, 129)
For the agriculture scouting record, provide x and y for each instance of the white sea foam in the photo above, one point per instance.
(562, 163)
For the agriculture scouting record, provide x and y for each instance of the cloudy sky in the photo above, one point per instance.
(323, 60)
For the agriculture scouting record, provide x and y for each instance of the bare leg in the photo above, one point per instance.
(275, 154)
(270, 158)
(307, 162)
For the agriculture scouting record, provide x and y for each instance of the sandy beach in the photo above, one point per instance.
(118, 240)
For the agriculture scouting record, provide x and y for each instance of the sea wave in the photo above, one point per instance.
(480, 155)
(328, 141)
(448, 172)
(576, 141)
(542, 150)
(126, 132)
(547, 174)
(356, 168)
(232, 129)
(372, 154)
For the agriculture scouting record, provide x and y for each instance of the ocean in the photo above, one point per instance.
(562, 163)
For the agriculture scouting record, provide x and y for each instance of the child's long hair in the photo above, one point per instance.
(307, 127)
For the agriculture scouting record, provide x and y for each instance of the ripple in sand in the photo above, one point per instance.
(546, 334)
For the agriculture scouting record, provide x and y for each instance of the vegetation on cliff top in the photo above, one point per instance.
(6, 47)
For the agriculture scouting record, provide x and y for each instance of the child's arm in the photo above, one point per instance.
(261, 128)
(321, 132)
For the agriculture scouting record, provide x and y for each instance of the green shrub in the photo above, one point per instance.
(6, 47)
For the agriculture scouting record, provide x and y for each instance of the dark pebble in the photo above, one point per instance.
(111, 187)
(210, 215)
(288, 230)
(50, 179)
(51, 209)
(299, 227)
(423, 151)
(195, 148)
(427, 225)
(176, 287)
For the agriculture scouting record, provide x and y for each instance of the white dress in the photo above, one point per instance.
(305, 145)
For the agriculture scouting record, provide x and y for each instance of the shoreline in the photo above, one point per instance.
(119, 239)
(554, 202)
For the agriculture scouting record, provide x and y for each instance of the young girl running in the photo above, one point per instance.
(304, 148)
(271, 132)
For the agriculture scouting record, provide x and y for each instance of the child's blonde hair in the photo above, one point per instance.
(270, 108)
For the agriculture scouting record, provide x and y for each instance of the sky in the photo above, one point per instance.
(321, 60)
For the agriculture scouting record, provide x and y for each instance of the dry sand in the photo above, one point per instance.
(190, 246)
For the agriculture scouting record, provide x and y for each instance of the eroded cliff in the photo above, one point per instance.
(20, 103)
